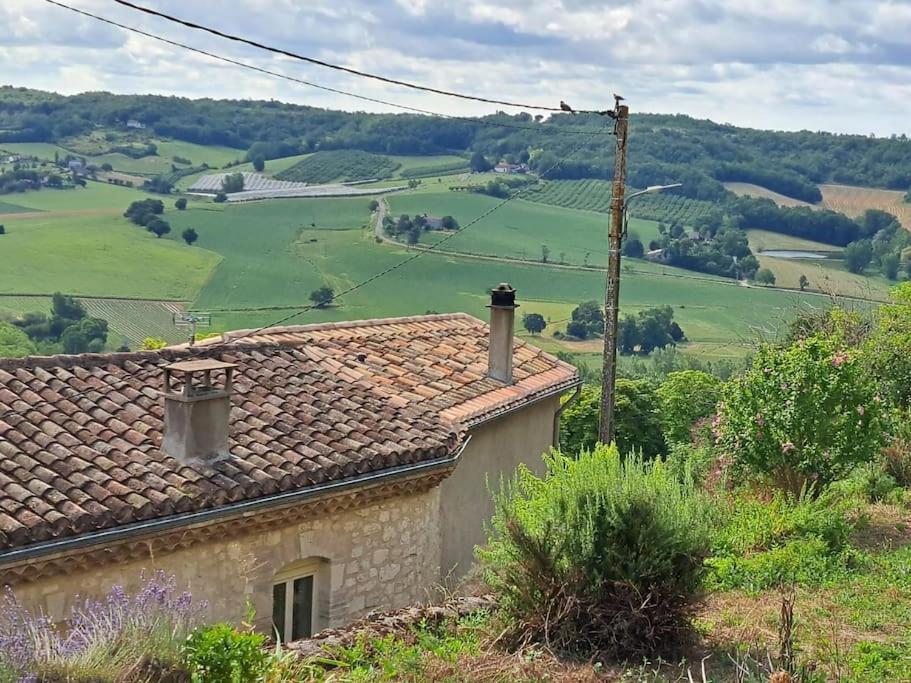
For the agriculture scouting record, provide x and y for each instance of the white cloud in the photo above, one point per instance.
(765, 63)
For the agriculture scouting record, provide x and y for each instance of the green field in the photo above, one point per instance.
(595, 195)
(97, 255)
(6, 207)
(519, 228)
(215, 156)
(825, 275)
(340, 165)
(257, 262)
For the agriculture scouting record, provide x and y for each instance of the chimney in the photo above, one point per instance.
(502, 321)
(196, 413)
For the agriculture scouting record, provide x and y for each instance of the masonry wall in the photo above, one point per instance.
(384, 556)
(496, 450)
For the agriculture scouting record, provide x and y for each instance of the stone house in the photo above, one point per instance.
(317, 471)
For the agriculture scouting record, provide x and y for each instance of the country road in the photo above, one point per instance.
(380, 215)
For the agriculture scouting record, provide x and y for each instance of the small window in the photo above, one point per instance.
(292, 608)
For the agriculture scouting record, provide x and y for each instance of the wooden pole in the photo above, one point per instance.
(612, 286)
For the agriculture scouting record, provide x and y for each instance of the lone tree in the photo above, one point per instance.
(189, 235)
(220, 197)
(534, 322)
(373, 205)
(259, 163)
(158, 227)
(858, 255)
(449, 223)
(479, 163)
(181, 204)
(233, 182)
(803, 283)
(322, 296)
(2, 230)
(545, 253)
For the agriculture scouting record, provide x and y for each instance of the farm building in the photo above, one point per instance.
(133, 123)
(504, 167)
(318, 471)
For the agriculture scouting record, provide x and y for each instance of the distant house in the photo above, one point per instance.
(314, 472)
(76, 165)
(133, 123)
(503, 167)
(655, 255)
(13, 158)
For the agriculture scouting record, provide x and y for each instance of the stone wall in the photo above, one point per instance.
(385, 556)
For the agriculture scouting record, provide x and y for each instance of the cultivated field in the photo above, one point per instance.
(751, 190)
(853, 201)
(129, 321)
(93, 152)
(340, 165)
(594, 195)
(518, 229)
(95, 251)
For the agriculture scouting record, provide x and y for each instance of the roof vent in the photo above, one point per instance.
(502, 322)
(196, 414)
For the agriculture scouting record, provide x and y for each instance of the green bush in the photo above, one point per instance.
(886, 350)
(685, 398)
(636, 425)
(601, 554)
(802, 416)
(221, 654)
(761, 544)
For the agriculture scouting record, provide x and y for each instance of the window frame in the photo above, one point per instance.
(286, 578)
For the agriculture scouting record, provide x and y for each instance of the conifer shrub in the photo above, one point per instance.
(601, 554)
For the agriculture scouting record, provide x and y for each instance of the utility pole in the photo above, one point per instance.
(612, 287)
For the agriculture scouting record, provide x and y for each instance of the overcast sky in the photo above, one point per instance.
(838, 65)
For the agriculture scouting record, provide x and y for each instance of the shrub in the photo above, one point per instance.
(887, 348)
(636, 424)
(601, 554)
(221, 654)
(802, 415)
(685, 398)
(181, 204)
(759, 545)
(220, 197)
(104, 640)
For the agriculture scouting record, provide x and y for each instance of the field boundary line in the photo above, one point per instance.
(36, 295)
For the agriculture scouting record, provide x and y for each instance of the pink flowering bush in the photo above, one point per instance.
(802, 416)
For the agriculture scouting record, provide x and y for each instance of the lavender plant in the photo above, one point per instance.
(108, 638)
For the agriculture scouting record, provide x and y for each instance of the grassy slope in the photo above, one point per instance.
(269, 261)
(518, 229)
(828, 275)
(81, 244)
(751, 190)
(214, 156)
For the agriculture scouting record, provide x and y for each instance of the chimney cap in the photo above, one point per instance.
(199, 365)
(503, 296)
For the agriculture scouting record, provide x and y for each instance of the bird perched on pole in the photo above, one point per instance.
(618, 98)
(566, 107)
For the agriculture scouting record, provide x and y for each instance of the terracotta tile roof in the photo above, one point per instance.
(80, 437)
(432, 361)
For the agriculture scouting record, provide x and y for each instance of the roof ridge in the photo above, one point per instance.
(116, 357)
(339, 325)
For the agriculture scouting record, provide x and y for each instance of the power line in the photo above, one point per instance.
(404, 262)
(329, 65)
(300, 81)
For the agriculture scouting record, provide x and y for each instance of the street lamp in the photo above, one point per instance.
(651, 189)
